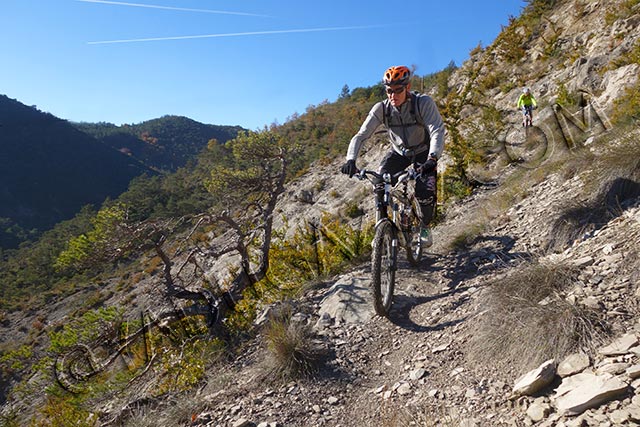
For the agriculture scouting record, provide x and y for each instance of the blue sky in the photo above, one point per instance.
(249, 63)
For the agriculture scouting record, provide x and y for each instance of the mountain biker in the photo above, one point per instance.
(416, 132)
(527, 103)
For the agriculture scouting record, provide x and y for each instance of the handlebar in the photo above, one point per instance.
(402, 176)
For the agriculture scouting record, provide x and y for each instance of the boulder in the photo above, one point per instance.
(347, 301)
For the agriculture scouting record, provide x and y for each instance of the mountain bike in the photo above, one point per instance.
(402, 228)
(527, 120)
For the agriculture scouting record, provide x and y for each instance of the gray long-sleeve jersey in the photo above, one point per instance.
(404, 132)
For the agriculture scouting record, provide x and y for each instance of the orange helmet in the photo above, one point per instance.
(397, 75)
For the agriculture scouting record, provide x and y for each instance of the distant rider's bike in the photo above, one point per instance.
(402, 228)
(527, 114)
(528, 150)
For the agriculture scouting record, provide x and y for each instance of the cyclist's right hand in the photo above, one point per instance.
(427, 166)
(349, 168)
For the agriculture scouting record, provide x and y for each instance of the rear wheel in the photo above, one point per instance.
(383, 266)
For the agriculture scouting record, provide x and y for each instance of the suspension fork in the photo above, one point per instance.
(394, 241)
(394, 248)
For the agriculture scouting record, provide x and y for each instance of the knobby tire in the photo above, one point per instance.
(383, 267)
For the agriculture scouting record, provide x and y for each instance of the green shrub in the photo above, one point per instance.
(353, 210)
(491, 80)
(510, 43)
(15, 360)
(453, 187)
(565, 98)
(11, 419)
(64, 412)
(185, 365)
(90, 249)
(624, 10)
(315, 251)
(85, 329)
(627, 107)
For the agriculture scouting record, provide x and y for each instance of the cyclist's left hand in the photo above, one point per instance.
(427, 166)
(349, 168)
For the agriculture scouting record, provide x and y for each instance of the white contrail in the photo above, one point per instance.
(183, 9)
(253, 33)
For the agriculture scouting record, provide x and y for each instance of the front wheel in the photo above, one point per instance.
(383, 266)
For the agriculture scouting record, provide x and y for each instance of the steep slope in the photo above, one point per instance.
(421, 365)
(571, 209)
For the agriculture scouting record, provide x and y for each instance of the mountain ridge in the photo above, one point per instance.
(50, 168)
(165, 143)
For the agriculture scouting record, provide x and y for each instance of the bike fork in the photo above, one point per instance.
(394, 253)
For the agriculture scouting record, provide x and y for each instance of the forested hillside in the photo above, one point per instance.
(163, 144)
(50, 168)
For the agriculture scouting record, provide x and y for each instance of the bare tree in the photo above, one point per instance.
(246, 194)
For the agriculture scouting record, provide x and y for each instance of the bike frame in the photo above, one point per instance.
(395, 188)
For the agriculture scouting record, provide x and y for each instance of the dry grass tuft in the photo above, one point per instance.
(291, 350)
(577, 219)
(611, 184)
(467, 236)
(423, 415)
(618, 173)
(527, 319)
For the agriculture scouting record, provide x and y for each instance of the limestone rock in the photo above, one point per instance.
(620, 346)
(573, 364)
(612, 368)
(241, 422)
(633, 372)
(538, 411)
(535, 380)
(347, 301)
(583, 391)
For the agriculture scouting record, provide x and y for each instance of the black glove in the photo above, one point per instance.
(427, 166)
(349, 168)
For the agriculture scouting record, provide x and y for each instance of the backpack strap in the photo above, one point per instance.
(415, 109)
(386, 112)
(415, 105)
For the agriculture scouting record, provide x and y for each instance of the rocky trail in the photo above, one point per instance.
(374, 361)
(417, 366)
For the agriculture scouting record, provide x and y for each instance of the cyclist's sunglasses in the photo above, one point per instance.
(396, 91)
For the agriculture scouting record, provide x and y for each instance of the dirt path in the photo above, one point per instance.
(411, 366)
